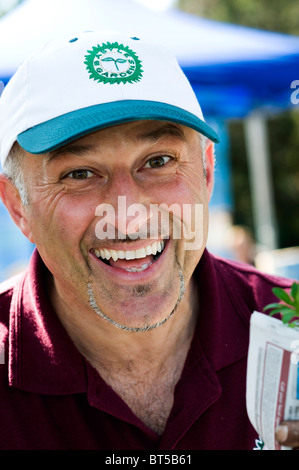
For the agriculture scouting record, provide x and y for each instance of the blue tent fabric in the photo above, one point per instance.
(234, 90)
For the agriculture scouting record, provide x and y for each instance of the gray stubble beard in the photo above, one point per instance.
(98, 311)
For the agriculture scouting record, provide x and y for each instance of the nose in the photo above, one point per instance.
(130, 208)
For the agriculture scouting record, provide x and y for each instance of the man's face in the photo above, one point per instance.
(148, 163)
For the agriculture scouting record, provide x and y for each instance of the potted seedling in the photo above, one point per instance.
(288, 308)
(272, 392)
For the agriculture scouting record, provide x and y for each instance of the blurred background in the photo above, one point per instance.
(242, 59)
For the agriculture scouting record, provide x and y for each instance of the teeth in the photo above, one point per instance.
(141, 253)
(142, 268)
(153, 249)
(130, 255)
(148, 250)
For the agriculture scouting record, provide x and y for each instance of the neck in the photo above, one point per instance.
(105, 345)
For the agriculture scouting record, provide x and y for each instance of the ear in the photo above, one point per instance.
(11, 199)
(210, 165)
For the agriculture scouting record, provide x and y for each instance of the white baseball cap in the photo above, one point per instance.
(77, 85)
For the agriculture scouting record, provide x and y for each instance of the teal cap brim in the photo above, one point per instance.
(57, 132)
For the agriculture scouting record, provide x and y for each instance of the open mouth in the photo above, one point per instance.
(132, 260)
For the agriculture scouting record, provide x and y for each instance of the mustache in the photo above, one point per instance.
(133, 237)
(134, 232)
(136, 229)
(128, 239)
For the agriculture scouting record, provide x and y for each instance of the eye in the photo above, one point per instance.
(157, 162)
(80, 174)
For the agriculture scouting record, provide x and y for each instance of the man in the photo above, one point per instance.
(124, 332)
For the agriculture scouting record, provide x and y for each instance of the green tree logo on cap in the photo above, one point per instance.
(113, 63)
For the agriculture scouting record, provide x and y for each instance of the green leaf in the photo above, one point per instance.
(285, 309)
(282, 295)
(288, 308)
(288, 316)
(274, 311)
(295, 295)
(294, 324)
(294, 289)
(275, 305)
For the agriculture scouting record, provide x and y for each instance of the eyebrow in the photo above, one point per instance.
(167, 130)
(74, 148)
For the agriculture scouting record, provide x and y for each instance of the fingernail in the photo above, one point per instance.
(282, 433)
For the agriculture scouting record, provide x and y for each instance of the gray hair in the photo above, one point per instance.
(12, 169)
(203, 142)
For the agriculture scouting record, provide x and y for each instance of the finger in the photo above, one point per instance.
(287, 433)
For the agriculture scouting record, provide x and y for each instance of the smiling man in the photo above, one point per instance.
(123, 333)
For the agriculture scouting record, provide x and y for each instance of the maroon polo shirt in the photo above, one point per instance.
(51, 398)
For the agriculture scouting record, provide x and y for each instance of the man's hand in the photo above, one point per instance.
(287, 434)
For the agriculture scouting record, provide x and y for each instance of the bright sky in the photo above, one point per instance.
(153, 4)
(6, 4)
(157, 4)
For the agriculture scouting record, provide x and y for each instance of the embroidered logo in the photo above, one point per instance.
(113, 63)
(259, 444)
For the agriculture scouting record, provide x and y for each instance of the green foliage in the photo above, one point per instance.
(262, 14)
(289, 308)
